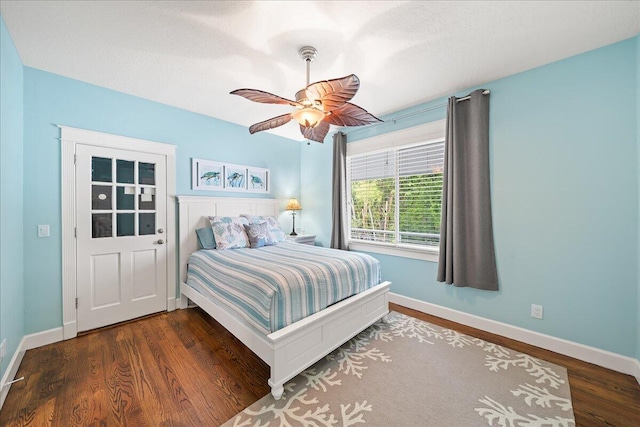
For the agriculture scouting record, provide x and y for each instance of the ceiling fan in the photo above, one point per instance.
(319, 104)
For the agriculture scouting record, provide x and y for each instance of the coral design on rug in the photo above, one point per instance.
(500, 415)
(300, 409)
(356, 384)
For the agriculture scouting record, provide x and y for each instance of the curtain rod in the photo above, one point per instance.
(468, 97)
(415, 113)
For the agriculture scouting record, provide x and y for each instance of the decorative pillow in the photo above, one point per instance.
(277, 235)
(229, 232)
(258, 235)
(205, 238)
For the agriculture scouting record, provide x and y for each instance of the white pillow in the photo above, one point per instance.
(272, 224)
(229, 232)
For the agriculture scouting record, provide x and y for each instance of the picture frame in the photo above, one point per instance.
(235, 177)
(210, 175)
(207, 175)
(258, 180)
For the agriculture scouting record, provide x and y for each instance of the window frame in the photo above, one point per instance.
(429, 133)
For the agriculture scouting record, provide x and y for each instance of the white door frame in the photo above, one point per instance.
(69, 137)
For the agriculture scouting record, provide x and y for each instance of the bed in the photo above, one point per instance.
(292, 348)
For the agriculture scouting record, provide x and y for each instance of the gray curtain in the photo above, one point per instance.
(467, 255)
(338, 215)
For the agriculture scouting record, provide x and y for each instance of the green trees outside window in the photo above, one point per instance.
(398, 205)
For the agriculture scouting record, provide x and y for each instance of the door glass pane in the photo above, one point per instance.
(147, 223)
(100, 169)
(101, 225)
(101, 197)
(146, 173)
(126, 226)
(147, 199)
(125, 198)
(124, 171)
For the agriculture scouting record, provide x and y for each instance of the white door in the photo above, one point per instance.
(121, 217)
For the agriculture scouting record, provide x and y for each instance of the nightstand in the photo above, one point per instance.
(305, 239)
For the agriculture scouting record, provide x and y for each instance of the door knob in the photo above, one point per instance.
(160, 242)
(160, 230)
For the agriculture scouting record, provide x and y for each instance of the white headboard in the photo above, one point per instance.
(194, 210)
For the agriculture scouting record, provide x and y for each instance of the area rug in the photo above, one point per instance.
(411, 373)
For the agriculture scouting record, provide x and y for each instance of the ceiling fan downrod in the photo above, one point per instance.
(308, 54)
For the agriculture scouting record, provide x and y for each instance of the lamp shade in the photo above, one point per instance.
(293, 205)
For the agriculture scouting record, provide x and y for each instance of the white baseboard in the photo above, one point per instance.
(171, 304)
(636, 372)
(183, 302)
(27, 342)
(12, 370)
(617, 362)
(43, 338)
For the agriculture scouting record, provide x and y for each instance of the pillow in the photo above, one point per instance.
(258, 235)
(229, 232)
(277, 235)
(205, 238)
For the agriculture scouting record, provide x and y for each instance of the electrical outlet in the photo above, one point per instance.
(3, 349)
(536, 311)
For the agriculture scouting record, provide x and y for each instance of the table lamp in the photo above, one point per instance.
(293, 206)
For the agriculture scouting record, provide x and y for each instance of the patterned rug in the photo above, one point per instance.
(411, 373)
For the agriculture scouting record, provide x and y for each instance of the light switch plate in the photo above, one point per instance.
(43, 230)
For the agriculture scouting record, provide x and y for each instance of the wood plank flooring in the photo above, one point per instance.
(184, 369)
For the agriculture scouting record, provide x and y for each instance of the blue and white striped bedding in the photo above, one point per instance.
(274, 286)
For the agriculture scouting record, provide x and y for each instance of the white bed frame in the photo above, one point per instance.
(294, 348)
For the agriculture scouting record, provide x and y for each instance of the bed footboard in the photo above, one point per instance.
(294, 348)
(303, 343)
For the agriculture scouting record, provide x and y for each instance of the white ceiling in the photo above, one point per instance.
(191, 54)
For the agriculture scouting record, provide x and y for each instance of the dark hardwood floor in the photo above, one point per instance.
(184, 369)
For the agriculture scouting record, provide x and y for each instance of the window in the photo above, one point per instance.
(395, 193)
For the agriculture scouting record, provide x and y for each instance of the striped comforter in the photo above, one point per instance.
(274, 286)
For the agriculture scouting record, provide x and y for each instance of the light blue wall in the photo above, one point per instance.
(638, 143)
(51, 99)
(11, 210)
(564, 142)
(564, 168)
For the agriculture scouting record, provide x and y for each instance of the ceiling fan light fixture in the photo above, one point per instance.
(319, 104)
(309, 116)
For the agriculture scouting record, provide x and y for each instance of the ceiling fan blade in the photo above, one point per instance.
(315, 133)
(256, 95)
(334, 93)
(351, 115)
(270, 124)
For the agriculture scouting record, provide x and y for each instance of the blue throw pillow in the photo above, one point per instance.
(258, 235)
(205, 238)
(277, 235)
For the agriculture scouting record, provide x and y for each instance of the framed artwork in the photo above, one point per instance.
(258, 180)
(235, 177)
(209, 175)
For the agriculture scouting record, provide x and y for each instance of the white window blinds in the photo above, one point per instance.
(395, 195)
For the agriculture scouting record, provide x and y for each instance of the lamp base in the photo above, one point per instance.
(293, 230)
